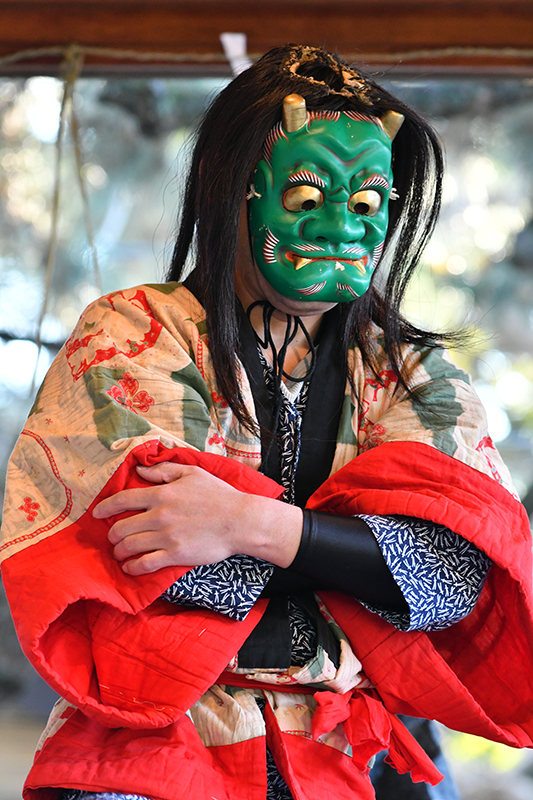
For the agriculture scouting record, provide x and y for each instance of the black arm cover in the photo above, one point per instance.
(339, 553)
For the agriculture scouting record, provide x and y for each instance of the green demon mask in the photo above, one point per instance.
(318, 211)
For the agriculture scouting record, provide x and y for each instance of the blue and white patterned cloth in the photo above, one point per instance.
(293, 402)
(78, 794)
(440, 574)
(230, 587)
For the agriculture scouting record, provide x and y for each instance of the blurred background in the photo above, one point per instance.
(134, 127)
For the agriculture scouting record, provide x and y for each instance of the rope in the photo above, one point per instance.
(75, 131)
(107, 52)
(199, 58)
(70, 69)
(52, 244)
(444, 52)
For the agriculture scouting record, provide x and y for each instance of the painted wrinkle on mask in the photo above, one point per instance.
(319, 213)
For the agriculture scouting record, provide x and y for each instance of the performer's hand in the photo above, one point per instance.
(191, 517)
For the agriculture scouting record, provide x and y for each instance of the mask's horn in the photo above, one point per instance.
(294, 113)
(392, 121)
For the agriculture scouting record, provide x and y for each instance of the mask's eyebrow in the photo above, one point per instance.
(308, 177)
(375, 180)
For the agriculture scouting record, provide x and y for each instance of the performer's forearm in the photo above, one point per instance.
(340, 553)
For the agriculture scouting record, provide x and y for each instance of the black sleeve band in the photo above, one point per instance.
(340, 553)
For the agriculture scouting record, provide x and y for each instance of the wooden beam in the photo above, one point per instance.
(374, 31)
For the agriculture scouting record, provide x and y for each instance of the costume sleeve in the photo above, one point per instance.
(416, 575)
(131, 386)
(440, 574)
(230, 587)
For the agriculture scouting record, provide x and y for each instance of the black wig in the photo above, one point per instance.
(229, 144)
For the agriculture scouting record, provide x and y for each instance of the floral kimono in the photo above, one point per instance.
(135, 384)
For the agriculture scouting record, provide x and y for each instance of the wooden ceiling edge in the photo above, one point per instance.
(122, 5)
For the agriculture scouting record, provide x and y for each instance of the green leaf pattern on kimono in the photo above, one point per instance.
(115, 415)
(439, 409)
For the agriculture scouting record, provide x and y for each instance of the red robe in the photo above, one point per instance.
(133, 664)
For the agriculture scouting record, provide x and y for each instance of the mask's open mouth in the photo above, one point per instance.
(340, 262)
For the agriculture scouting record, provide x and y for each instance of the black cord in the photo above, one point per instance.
(290, 334)
(278, 359)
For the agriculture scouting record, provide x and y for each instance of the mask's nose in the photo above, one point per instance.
(334, 223)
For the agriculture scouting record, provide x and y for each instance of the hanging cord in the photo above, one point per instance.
(278, 358)
(293, 324)
(211, 58)
(70, 68)
(82, 183)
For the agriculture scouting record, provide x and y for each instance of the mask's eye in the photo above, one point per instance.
(367, 202)
(302, 198)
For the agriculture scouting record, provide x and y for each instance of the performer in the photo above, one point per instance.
(257, 514)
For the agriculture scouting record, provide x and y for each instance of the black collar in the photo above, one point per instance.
(321, 419)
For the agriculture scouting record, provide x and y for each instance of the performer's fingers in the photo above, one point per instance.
(127, 500)
(149, 562)
(165, 472)
(145, 542)
(137, 523)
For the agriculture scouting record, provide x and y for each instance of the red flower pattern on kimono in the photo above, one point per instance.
(385, 378)
(127, 394)
(484, 446)
(30, 508)
(374, 437)
(364, 422)
(218, 398)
